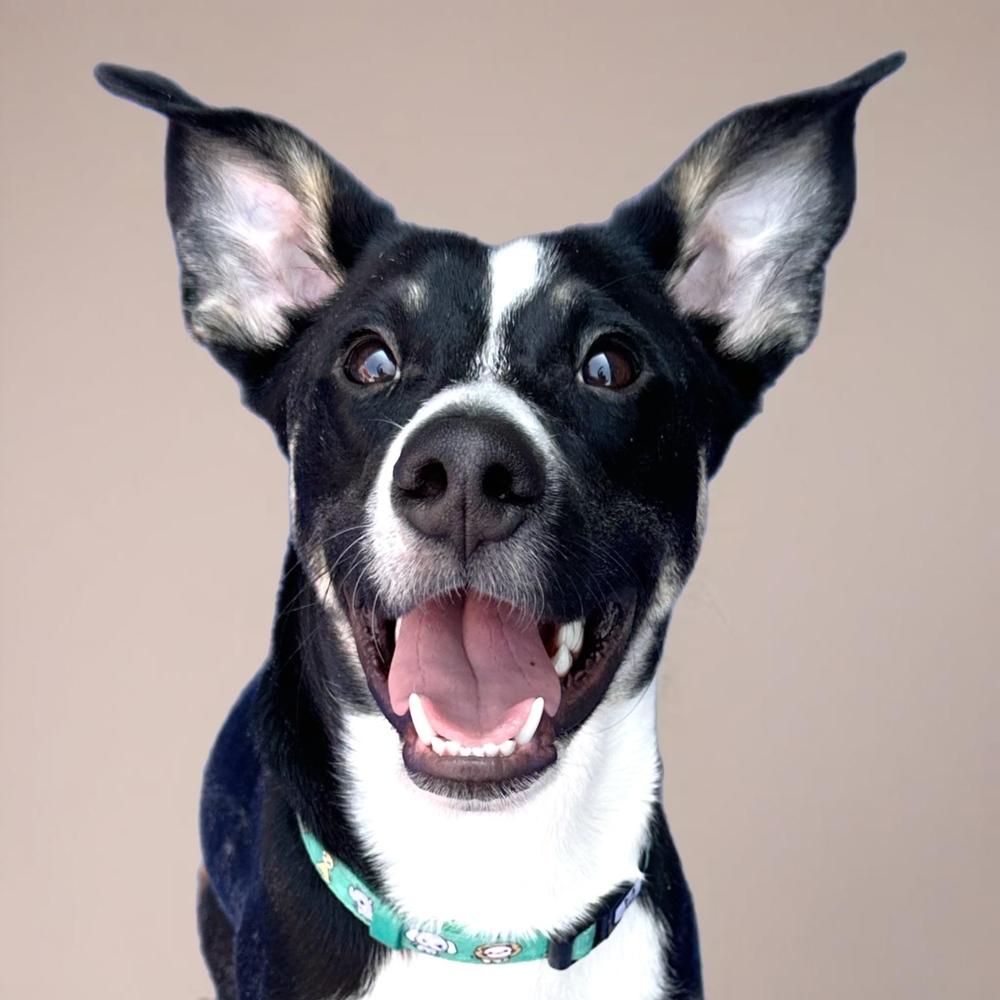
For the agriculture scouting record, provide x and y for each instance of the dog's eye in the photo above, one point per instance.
(609, 366)
(371, 361)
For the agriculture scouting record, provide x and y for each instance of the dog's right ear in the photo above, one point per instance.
(266, 224)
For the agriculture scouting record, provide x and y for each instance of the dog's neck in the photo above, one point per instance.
(534, 862)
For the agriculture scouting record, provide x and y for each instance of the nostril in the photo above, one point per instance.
(429, 482)
(498, 484)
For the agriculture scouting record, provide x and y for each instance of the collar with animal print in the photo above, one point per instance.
(450, 940)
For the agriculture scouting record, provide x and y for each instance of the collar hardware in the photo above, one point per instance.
(564, 952)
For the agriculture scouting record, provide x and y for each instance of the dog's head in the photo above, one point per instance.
(499, 455)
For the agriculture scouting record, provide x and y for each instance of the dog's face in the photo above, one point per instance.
(499, 458)
(499, 455)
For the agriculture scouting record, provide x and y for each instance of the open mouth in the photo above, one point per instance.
(478, 690)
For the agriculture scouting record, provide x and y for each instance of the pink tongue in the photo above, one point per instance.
(477, 666)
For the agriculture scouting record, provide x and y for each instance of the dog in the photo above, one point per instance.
(499, 460)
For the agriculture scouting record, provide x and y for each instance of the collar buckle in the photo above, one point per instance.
(565, 951)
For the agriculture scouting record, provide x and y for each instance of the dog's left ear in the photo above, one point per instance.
(266, 224)
(743, 224)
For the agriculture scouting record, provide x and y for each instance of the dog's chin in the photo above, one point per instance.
(478, 775)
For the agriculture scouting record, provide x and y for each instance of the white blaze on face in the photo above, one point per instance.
(400, 560)
(516, 272)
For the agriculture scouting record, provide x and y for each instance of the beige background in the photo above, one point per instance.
(829, 711)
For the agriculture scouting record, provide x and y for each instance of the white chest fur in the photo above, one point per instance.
(535, 863)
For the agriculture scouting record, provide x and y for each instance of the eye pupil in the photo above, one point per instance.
(370, 362)
(609, 367)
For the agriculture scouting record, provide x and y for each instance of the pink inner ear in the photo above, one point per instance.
(702, 288)
(281, 243)
(745, 247)
(733, 241)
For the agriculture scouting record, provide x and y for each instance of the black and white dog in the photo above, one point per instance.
(499, 460)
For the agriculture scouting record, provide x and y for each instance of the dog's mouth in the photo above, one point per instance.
(479, 690)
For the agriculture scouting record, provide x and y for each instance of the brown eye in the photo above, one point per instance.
(371, 361)
(609, 367)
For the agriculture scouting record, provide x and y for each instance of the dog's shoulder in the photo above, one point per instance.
(230, 807)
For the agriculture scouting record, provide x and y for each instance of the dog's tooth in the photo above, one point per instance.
(438, 745)
(465, 751)
(478, 752)
(395, 634)
(531, 723)
(570, 635)
(562, 661)
(507, 748)
(425, 731)
(491, 749)
(452, 748)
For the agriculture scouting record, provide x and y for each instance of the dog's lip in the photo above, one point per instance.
(606, 635)
(528, 760)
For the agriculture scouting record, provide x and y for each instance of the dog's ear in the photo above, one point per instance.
(265, 222)
(743, 223)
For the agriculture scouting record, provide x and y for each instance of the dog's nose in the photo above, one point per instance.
(467, 479)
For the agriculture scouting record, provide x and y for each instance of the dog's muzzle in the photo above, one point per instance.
(480, 684)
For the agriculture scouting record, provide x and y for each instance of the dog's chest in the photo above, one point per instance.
(541, 865)
(629, 965)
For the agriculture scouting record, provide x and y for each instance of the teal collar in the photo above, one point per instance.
(449, 940)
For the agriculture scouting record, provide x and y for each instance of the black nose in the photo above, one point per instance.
(467, 479)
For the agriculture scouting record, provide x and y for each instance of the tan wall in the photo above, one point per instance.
(829, 710)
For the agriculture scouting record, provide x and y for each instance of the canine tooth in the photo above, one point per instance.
(452, 748)
(425, 731)
(562, 661)
(571, 636)
(507, 748)
(465, 751)
(438, 745)
(395, 635)
(531, 723)
(478, 752)
(491, 749)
